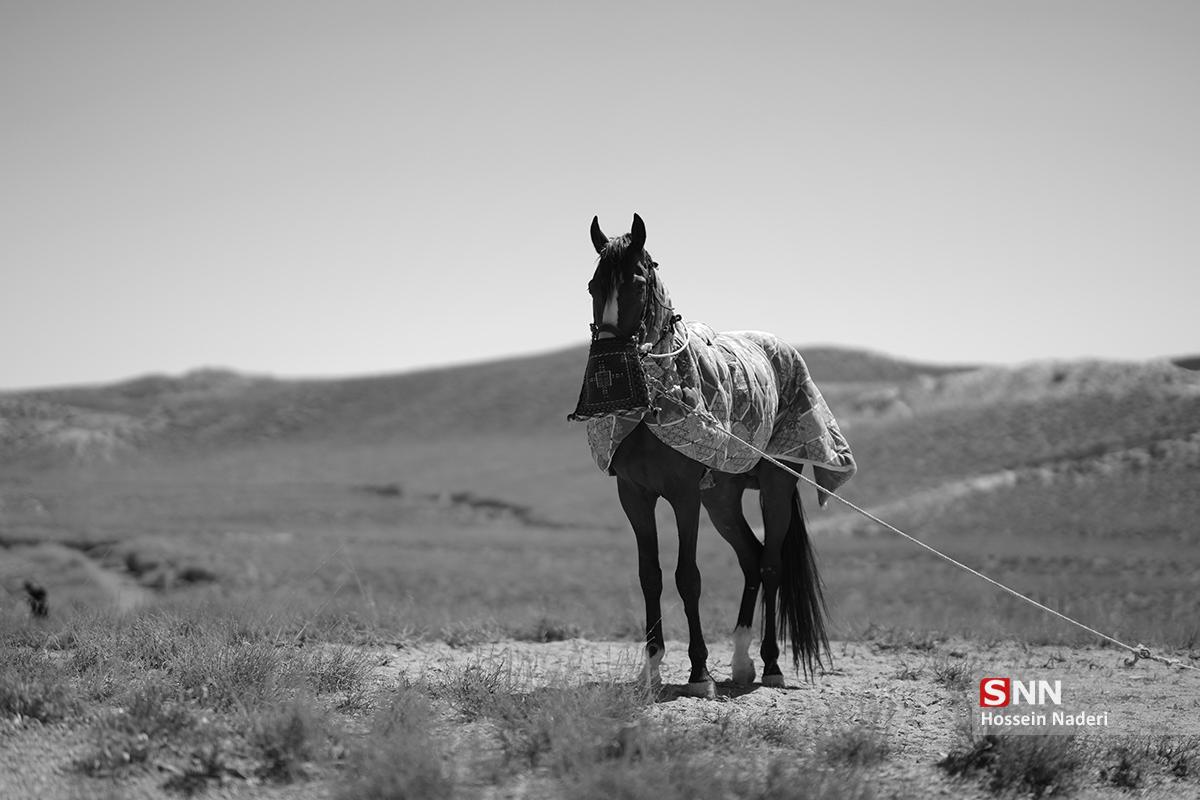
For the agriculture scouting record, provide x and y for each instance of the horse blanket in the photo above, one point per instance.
(748, 382)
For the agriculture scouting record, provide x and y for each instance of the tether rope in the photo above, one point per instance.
(687, 339)
(1140, 651)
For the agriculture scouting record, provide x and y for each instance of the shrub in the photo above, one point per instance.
(955, 675)
(1123, 765)
(547, 629)
(129, 735)
(398, 759)
(861, 746)
(1040, 765)
(33, 685)
(287, 739)
(1178, 753)
(342, 670)
(225, 676)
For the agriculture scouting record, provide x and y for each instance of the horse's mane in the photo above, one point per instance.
(615, 265)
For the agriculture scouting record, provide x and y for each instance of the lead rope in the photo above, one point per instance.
(1140, 652)
(687, 339)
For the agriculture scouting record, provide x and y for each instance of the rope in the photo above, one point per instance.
(687, 339)
(1140, 651)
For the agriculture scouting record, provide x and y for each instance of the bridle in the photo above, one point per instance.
(652, 308)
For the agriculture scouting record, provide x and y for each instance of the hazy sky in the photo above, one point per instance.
(337, 188)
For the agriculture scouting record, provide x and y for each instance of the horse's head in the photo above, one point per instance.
(627, 297)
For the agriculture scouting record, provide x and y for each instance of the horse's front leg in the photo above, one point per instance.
(687, 579)
(639, 508)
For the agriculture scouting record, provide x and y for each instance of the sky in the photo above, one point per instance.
(340, 188)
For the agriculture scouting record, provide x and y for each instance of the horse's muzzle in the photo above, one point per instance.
(614, 380)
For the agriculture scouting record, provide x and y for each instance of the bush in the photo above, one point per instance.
(1040, 765)
(128, 736)
(856, 745)
(35, 686)
(226, 676)
(398, 759)
(287, 740)
(339, 670)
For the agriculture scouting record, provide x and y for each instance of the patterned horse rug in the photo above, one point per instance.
(747, 382)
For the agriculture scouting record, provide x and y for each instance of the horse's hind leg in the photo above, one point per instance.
(724, 505)
(775, 499)
(687, 579)
(639, 508)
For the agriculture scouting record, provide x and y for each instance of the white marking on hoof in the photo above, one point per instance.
(650, 673)
(742, 664)
(706, 689)
(775, 681)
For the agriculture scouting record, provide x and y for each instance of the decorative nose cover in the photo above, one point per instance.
(613, 382)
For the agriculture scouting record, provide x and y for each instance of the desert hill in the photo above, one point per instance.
(427, 479)
(213, 408)
(498, 430)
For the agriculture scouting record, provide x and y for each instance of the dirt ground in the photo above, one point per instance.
(919, 693)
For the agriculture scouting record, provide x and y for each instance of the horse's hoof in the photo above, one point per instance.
(743, 671)
(774, 681)
(706, 689)
(651, 676)
(742, 664)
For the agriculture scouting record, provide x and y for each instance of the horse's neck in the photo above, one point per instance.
(660, 320)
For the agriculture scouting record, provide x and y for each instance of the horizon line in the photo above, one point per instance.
(476, 362)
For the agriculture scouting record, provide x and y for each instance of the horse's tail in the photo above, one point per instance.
(801, 600)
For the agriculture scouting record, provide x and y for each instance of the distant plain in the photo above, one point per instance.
(459, 507)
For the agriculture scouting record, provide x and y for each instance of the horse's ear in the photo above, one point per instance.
(637, 233)
(599, 240)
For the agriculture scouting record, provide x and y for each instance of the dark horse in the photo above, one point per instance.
(629, 303)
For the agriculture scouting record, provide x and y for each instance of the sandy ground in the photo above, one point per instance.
(870, 683)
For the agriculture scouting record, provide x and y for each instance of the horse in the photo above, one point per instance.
(632, 309)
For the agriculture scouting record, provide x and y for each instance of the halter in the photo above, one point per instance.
(668, 328)
(649, 312)
(615, 381)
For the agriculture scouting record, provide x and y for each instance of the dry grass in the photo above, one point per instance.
(956, 675)
(150, 717)
(288, 739)
(399, 758)
(856, 745)
(274, 566)
(1037, 765)
(35, 686)
(196, 689)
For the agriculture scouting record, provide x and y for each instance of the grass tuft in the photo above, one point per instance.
(954, 674)
(1123, 765)
(226, 676)
(340, 670)
(398, 759)
(1179, 754)
(288, 739)
(35, 686)
(471, 634)
(128, 736)
(1038, 765)
(861, 745)
(547, 629)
